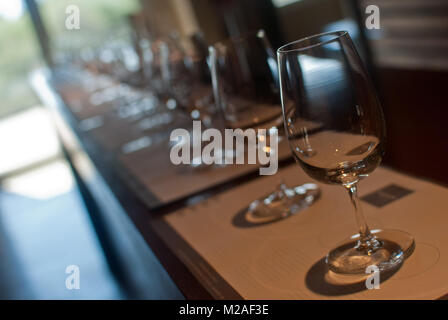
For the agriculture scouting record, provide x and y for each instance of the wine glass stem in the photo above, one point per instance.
(364, 231)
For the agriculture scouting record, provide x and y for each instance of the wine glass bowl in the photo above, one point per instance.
(336, 131)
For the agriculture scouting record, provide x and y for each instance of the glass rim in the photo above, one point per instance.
(337, 35)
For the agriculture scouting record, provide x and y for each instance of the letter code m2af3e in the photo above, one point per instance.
(251, 309)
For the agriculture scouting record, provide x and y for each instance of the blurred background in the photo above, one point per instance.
(44, 222)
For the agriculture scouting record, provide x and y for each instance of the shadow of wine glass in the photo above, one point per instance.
(323, 281)
(240, 220)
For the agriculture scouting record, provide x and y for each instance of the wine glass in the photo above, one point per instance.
(187, 83)
(246, 89)
(187, 77)
(244, 75)
(335, 128)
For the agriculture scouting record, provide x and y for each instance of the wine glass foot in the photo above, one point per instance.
(282, 203)
(389, 250)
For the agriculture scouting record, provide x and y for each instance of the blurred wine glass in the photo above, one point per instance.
(335, 128)
(246, 90)
(187, 78)
(244, 75)
(184, 65)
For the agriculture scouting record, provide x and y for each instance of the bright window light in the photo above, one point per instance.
(11, 9)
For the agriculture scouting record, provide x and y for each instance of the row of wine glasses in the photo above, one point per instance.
(233, 83)
(333, 122)
(318, 89)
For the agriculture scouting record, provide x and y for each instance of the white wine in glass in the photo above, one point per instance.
(335, 128)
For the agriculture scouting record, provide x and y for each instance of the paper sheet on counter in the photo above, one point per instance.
(168, 182)
(281, 260)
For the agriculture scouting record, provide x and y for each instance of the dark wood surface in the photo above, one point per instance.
(104, 190)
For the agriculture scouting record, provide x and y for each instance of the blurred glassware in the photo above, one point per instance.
(152, 51)
(245, 81)
(191, 82)
(186, 75)
(246, 89)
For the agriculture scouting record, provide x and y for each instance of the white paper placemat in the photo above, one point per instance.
(283, 260)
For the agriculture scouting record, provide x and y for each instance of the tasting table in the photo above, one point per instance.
(173, 232)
